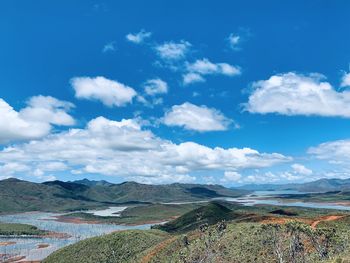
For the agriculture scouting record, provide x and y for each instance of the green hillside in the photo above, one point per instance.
(9, 229)
(125, 246)
(273, 239)
(19, 196)
(208, 214)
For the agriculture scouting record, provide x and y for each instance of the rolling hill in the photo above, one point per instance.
(208, 214)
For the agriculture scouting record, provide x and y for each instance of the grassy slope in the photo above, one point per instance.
(125, 246)
(133, 246)
(7, 229)
(240, 243)
(243, 241)
(210, 214)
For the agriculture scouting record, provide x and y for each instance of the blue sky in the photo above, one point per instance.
(210, 92)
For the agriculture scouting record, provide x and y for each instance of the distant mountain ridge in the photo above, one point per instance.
(92, 182)
(17, 195)
(321, 185)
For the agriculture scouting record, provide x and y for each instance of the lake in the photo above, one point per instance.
(28, 247)
(264, 198)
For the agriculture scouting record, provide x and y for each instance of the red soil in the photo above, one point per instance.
(7, 243)
(43, 246)
(157, 249)
(325, 218)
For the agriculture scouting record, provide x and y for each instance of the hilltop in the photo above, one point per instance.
(208, 214)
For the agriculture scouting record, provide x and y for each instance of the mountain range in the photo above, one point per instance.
(321, 185)
(18, 196)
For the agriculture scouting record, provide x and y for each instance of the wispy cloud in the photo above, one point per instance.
(109, 47)
(173, 50)
(234, 41)
(138, 38)
(196, 71)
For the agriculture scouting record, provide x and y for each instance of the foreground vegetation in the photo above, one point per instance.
(222, 232)
(124, 246)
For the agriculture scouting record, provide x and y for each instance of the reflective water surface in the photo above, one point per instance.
(28, 247)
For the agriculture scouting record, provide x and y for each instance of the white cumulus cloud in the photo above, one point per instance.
(345, 81)
(191, 77)
(295, 94)
(35, 120)
(197, 118)
(334, 151)
(301, 169)
(155, 86)
(109, 92)
(231, 176)
(49, 110)
(123, 148)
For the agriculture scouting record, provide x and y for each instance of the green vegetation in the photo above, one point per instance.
(226, 233)
(331, 197)
(20, 196)
(125, 246)
(208, 214)
(8, 229)
(140, 214)
(253, 242)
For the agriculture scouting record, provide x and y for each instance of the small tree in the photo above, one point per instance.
(275, 240)
(296, 231)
